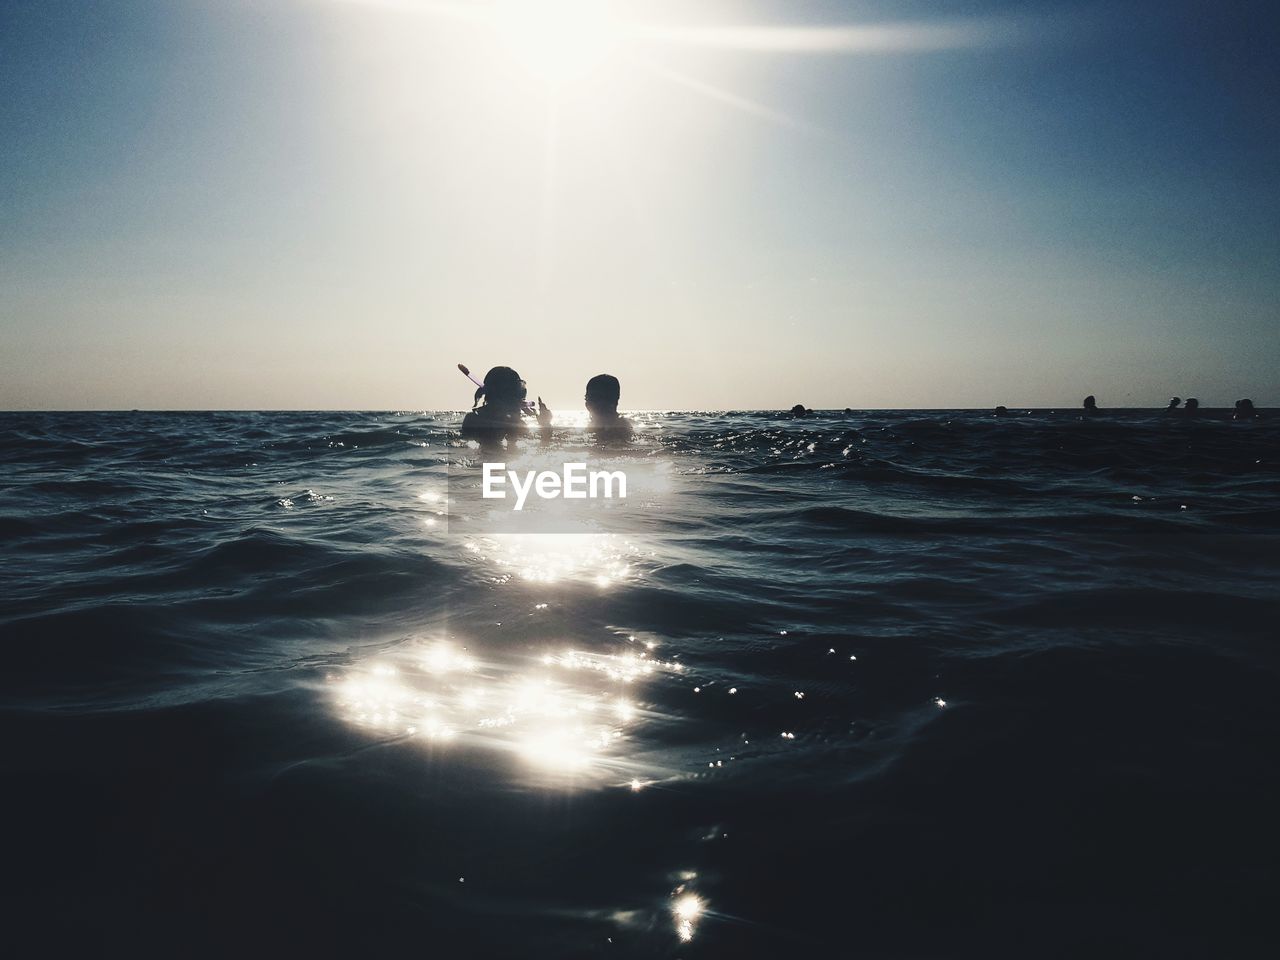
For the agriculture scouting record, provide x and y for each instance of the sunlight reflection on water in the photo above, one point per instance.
(600, 558)
(566, 713)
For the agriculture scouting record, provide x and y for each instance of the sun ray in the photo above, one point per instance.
(566, 57)
(730, 99)
(554, 28)
(909, 37)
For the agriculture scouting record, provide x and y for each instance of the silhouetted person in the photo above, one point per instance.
(799, 410)
(500, 416)
(1192, 409)
(1091, 406)
(601, 400)
(1173, 405)
(1002, 411)
(1244, 410)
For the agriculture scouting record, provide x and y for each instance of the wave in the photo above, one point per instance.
(249, 665)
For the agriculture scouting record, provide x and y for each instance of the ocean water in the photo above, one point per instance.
(885, 684)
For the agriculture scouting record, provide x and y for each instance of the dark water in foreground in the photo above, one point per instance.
(917, 684)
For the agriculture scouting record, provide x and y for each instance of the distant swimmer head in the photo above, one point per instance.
(1002, 410)
(1174, 401)
(1244, 410)
(799, 410)
(1090, 402)
(603, 391)
(1192, 405)
(503, 389)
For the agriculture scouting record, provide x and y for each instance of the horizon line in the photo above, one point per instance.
(463, 410)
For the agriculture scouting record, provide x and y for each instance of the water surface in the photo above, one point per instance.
(886, 684)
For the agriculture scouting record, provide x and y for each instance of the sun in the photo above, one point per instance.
(557, 41)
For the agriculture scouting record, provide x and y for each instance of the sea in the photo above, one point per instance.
(899, 683)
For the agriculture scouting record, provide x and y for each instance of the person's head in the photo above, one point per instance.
(799, 410)
(1193, 403)
(1244, 407)
(1090, 403)
(1001, 410)
(1174, 401)
(504, 391)
(603, 391)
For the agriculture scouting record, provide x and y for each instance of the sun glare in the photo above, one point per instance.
(570, 714)
(557, 40)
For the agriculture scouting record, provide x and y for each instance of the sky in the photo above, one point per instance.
(328, 204)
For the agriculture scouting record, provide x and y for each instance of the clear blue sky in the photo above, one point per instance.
(329, 203)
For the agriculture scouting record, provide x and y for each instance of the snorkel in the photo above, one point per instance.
(467, 373)
(526, 406)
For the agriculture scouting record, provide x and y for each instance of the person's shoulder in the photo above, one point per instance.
(475, 425)
(620, 428)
